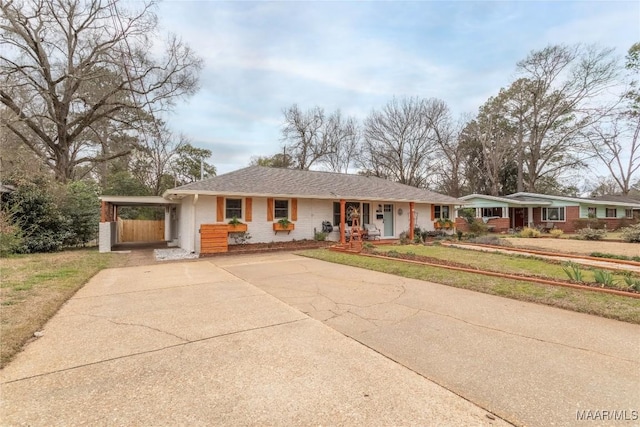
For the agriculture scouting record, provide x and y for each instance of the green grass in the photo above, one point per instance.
(33, 287)
(501, 263)
(605, 305)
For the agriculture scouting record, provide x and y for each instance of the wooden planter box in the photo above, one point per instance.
(237, 228)
(278, 227)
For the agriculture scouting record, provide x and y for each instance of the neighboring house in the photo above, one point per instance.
(540, 210)
(260, 196)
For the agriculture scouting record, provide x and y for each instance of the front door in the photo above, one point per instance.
(388, 220)
(519, 217)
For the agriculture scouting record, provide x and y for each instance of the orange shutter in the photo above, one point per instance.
(433, 212)
(247, 203)
(270, 209)
(220, 209)
(294, 209)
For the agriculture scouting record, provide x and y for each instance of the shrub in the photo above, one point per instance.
(80, 205)
(631, 234)
(591, 233)
(34, 211)
(614, 256)
(478, 227)
(320, 236)
(469, 214)
(556, 233)
(490, 240)
(594, 223)
(404, 238)
(240, 238)
(10, 236)
(529, 232)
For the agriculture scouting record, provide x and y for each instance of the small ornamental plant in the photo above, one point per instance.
(556, 233)
(284, 222)
(530, 232)
(235, 221)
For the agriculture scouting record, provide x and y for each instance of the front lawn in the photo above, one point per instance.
(33, 288)
(605, 305)
(501, 263)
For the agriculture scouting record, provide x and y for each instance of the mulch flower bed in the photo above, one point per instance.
(278, 246)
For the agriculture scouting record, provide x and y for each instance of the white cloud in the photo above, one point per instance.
(264, 56)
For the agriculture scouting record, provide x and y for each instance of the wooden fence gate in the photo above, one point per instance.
(137, 230)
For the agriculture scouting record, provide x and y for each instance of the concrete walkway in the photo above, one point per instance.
(195, 344)
(531, 364)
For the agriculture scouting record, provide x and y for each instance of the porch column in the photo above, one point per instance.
(342, 221)
(529, 216)
(103, 211)
(411, 221)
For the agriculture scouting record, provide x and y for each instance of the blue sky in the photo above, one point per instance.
(261, 57)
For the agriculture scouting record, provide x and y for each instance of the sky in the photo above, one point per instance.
(262, 57)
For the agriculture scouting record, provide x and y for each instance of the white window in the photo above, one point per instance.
(611, 213)
(233, 208)
(628, 213)
(441, 212)
(492, 212)
(281, 208)
(553, 214)
(592, 212)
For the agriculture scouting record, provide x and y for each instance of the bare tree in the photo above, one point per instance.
(615, 140)
(343, 141)
(312, 137)
(617, 146)
(69, 65)
(399, 142)
(151, 163)
(558, 84)
(449, 161)
(303, 135)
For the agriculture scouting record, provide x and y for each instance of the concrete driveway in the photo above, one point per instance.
(530, 364)
(197, 343)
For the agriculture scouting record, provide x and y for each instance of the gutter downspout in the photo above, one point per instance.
(195, 229)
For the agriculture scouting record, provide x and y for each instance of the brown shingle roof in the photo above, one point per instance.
(264, 181)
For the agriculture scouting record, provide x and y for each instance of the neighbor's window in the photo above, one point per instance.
(233, 208)
(281, 208)
(611, 213)
(628, 213)
(553, 214)
(441, 212)
(592, 212)
(487, 212)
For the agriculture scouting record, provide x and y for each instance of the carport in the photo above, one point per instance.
(108, 229)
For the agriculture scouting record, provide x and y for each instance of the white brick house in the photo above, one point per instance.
(260, 196)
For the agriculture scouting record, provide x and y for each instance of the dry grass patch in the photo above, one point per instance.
(33, 287)
(605, 305)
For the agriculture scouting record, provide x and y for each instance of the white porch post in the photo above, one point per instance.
(530, 216)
